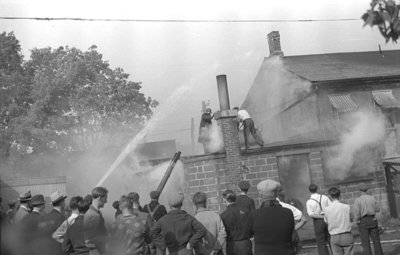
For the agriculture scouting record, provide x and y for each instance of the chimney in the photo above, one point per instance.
(274, 43)
(226, 119)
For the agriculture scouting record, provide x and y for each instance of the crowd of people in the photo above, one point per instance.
(240, 229)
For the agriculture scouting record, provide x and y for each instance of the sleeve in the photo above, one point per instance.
(325, 219)
(199, 232)
(58, 235)
(147, 230)
(377, 207)
(253, 205)
(249, 226)
(310, 210)
(221, 234)
(67, 247)
(297, 214)
(356, 211)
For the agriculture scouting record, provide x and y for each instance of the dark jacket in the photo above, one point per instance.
(178, 228)
(272, 227)
(74, 241)
(52, 221)
(246, 202)
(234, 219)
(94, 229)
(157, 214)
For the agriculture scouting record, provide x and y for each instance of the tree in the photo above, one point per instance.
(15, 90)
(76, 100)
(385, 15)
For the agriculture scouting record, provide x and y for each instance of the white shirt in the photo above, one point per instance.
(297, 214)
(338, 217)
(243, 115)
(313, 204)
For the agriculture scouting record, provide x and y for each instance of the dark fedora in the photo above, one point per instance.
(56, 197)
(37, 200)
(25, 197)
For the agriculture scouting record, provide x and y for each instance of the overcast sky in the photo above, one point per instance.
(166, 56)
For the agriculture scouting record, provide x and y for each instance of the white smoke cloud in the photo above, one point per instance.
(358, 145)
(215, 138)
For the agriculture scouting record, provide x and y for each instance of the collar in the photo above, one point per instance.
(24, 207)
(37, 210)
(57, 209)
(243, 193)
(201, 209)
(270, 203)
(95, 209)
(177, 211)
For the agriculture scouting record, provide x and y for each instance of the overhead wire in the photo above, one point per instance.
(177, 20)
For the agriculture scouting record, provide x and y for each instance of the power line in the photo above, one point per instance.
(178, 20)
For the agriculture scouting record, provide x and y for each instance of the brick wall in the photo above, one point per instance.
(208, 174)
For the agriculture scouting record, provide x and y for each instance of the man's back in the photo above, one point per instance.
(157, 209)
(365, 205)
(94, 229)
(317, 203)
(178, 229)
(130, 234)
(338, 218)
(234, 218)
(272, 228)
(246, 202)
(216, 234)
(20, 214)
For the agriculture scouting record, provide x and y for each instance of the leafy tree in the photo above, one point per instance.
(385, 15)
(72, 100)
(14, 90)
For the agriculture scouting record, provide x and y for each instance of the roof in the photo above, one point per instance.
(385, 99)
(339, 66)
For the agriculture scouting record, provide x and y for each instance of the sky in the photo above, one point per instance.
(177, 62)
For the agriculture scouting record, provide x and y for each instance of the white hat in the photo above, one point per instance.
(268, 188)
(57, 196)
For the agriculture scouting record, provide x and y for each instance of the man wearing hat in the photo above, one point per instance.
(271, 225)
(53, 220)
(181, 231)
(234, 218)
(23, 209)
(156, 211)
(31, 226)
(243, 200)
(364, 210)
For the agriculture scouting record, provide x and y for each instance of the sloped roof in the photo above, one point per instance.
(339, 66)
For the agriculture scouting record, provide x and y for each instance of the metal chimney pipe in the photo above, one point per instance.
(223, 95)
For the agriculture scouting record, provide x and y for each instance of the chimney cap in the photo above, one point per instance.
(274, 43)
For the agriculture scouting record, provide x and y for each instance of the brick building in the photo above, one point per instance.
(302, 124)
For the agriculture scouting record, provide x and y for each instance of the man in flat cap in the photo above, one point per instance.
(214, 242)
(271, 225)
(181, 231)
(156, 211)
(364, 211)
(234, 218)
(23, 209)
(243, 200)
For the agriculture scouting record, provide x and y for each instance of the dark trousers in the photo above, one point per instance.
(368, 227)
(243, 247)
(321, 236)
(248, 127)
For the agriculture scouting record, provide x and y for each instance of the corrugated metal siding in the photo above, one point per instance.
(343, 103)
(385, 99)
(45, 186)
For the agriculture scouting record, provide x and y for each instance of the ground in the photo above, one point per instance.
(390, 243)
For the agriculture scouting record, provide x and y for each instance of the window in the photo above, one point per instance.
(386, 103)
(339, 167)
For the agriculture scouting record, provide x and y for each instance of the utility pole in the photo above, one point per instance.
(192, 135)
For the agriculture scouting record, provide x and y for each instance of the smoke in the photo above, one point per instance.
(359, 146)
(214, 137)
